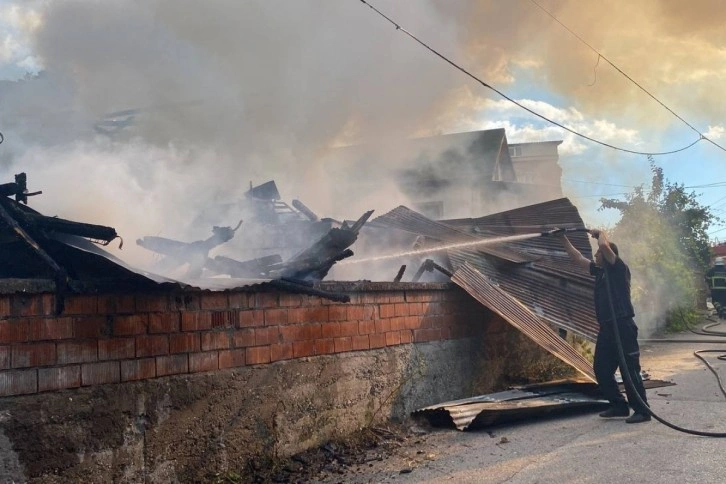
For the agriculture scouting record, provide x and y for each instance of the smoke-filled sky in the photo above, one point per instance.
(210, 96)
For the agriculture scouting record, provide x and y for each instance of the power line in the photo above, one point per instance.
(717, 204)
(597, 183)
(605, 195)
(601, 56)
(570, 130)
(708, 185)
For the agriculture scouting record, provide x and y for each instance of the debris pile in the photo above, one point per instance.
(528, 281)
(35, 246)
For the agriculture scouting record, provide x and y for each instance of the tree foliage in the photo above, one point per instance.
(668, 250)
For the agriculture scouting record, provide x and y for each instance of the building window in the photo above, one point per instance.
(515, 151)
(527, 177)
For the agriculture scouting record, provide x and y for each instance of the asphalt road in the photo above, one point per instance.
(584, 448)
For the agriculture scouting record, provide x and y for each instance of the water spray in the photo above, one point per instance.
(473, 243)
(458, 245)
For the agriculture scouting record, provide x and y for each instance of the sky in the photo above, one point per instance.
(203, 98)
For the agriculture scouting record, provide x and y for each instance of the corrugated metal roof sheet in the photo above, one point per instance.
(520, 403)
(558, 298)
(560, 213)
(519, 316)
(405, 219)
(513, 404)
(535, 271)
(551, 285)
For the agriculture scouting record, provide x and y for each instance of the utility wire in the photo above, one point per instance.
(597, 183)
(708, 185)
(606, 195)
(689, 187)
(601, 56)
(570, 130)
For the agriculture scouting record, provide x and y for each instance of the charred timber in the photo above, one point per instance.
(33, 221)
(305, 210)
(400, 273)
(314, 262)
(259, 267)
(19, 189)
(60, 275)
(301, 288)
(196, 253)
(428, 266)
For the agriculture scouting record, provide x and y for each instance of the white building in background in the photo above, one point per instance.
(468, 174)
(537, 164)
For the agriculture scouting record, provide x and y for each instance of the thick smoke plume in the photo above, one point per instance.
(145, 113)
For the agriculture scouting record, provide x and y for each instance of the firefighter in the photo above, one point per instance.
(716, 280)
(612, 292)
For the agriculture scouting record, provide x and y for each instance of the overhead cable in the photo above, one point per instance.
(601, 56)
(576, 133)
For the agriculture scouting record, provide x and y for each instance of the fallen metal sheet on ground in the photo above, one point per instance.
(521, 403)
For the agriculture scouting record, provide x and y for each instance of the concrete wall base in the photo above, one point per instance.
(192, 427)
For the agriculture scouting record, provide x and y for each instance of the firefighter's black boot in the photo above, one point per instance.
(617, 410)
(638, 418)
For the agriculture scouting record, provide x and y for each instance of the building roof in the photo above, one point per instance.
(428, 164)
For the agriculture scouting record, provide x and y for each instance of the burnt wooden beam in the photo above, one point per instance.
(19, 189)
(299, 288)
(34, 220)
(400, 273)
(428, 266)
(61, 277)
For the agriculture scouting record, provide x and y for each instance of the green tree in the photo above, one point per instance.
(663, 233)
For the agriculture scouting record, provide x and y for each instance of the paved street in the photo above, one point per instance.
(586, 448)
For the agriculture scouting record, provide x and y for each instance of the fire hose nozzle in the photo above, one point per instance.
(553, 232)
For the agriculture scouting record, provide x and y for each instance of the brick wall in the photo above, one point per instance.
(114, 338)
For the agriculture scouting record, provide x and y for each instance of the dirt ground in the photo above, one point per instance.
(333, 460)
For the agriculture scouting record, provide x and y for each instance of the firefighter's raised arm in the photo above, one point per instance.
(604, 245)
(580, 260)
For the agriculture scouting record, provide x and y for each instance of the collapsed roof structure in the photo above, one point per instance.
(35, 246)
(69, 256)
(500, 259)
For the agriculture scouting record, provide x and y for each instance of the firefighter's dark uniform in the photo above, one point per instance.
(606, 350)
(716, 280)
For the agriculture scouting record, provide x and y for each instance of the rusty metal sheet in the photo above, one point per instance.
(514, 404)
(536, 271)
(551, 285)
(521, 403)
(519, 316)
(563, 301)
(410, 221)
(536, 218)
